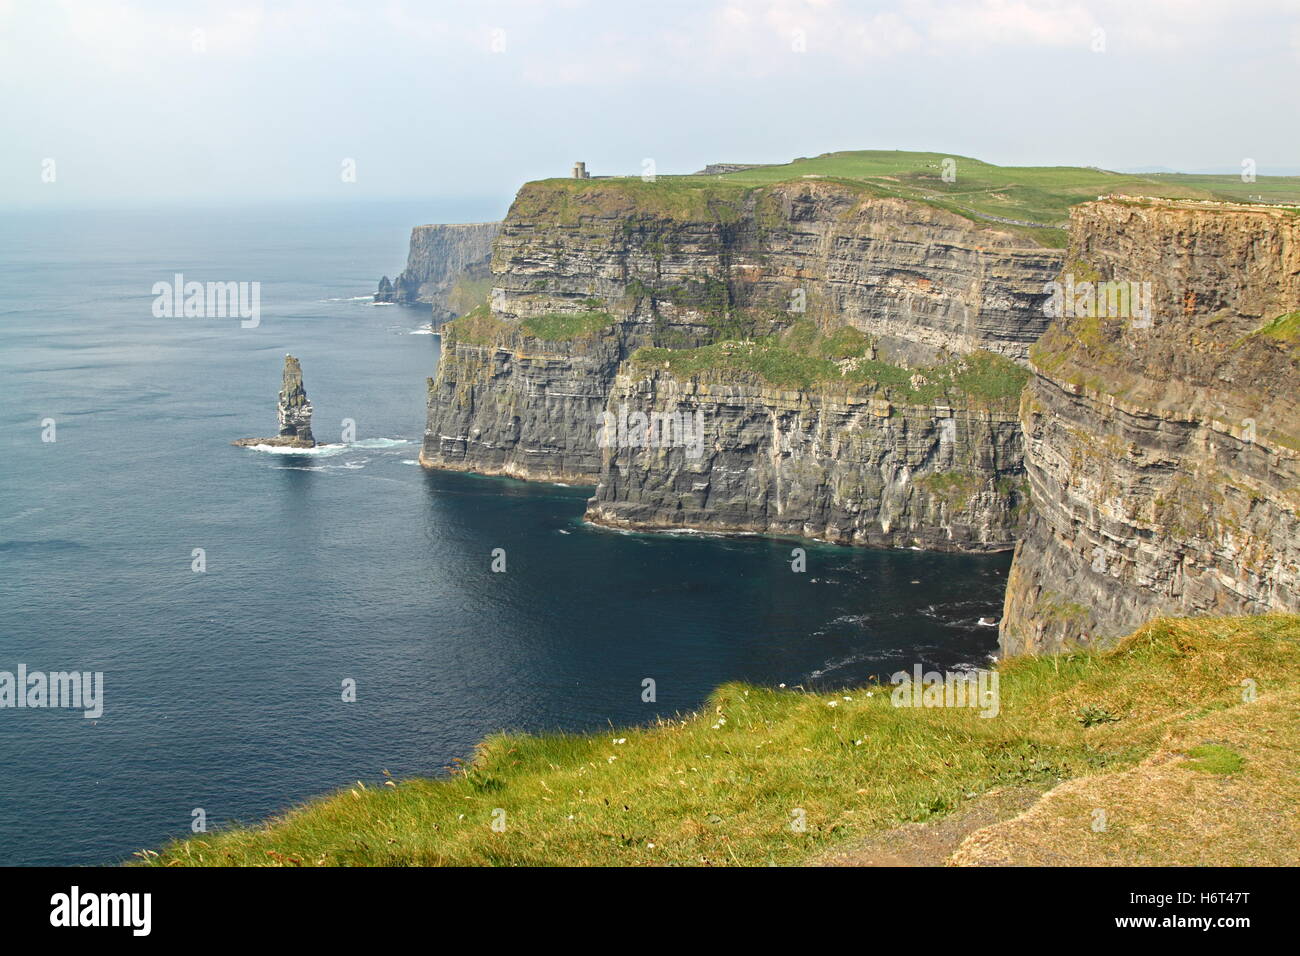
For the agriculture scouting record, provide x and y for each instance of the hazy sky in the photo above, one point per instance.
(246, 101)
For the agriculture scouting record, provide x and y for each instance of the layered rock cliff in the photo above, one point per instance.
(586, 274)
(835, 461)
(446, 268)
(923, 281)
(1163, 443)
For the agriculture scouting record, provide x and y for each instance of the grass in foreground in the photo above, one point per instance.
(722, 786)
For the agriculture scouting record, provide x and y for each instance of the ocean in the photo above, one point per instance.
(347, 571)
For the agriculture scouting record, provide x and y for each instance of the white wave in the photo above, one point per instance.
(834, 665)
(330, 450)
(381, 443)
(422, 330)
(320, 451)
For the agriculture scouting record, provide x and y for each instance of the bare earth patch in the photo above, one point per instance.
(931, 843)
(1222, 790)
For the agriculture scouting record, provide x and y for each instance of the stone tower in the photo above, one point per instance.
(294, 409)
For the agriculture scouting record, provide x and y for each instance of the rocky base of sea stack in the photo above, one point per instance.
(279, 441)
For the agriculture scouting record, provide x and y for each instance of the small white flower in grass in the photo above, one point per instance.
(870, 694)
(848, 698)
(612, 758)
(857, 743)
(620, 740)
(780, 685)
(649, 846)
(832, 703)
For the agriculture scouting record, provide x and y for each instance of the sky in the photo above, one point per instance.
(107, 101)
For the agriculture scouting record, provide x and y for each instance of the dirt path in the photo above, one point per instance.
(931, 843)
(1222, 789)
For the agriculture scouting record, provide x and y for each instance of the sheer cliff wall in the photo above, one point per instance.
(1163, 446)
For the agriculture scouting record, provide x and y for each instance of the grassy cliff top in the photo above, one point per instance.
(1162, 724)
(1033, 194)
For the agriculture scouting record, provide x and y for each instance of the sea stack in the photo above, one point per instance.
(294, 412)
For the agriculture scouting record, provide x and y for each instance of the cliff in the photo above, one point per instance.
(1163, 441)
(586, 274)
(847, 461)
(923, 281)
(446, 269)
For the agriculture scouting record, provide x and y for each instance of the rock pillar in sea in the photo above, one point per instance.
(385, 292)
(295, 410)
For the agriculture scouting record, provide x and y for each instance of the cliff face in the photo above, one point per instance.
(919, 279)
(835, 464)
(509, 404)
(1163, 446)
(441, 258)
(585, 274)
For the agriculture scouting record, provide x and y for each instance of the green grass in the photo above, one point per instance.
(565, 326)
(468, 294)
(805, 358)
(478, 327)
(691, 198)
(721, 786)
(1214, 758)
(1285, 328)
(1040, 194)
(1037, 198)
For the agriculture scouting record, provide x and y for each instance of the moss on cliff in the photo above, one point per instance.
(480, 327)
(1285, 328)
(806, 359)
(564, 327)
(569, 201)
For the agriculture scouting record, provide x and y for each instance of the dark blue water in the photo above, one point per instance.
(223, 689)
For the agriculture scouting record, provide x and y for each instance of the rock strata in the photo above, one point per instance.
(585, 273)
(1163, 449)
(445, 268)
(294, 411)
(839, 465)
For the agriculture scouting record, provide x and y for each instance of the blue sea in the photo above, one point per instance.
(350, 566)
